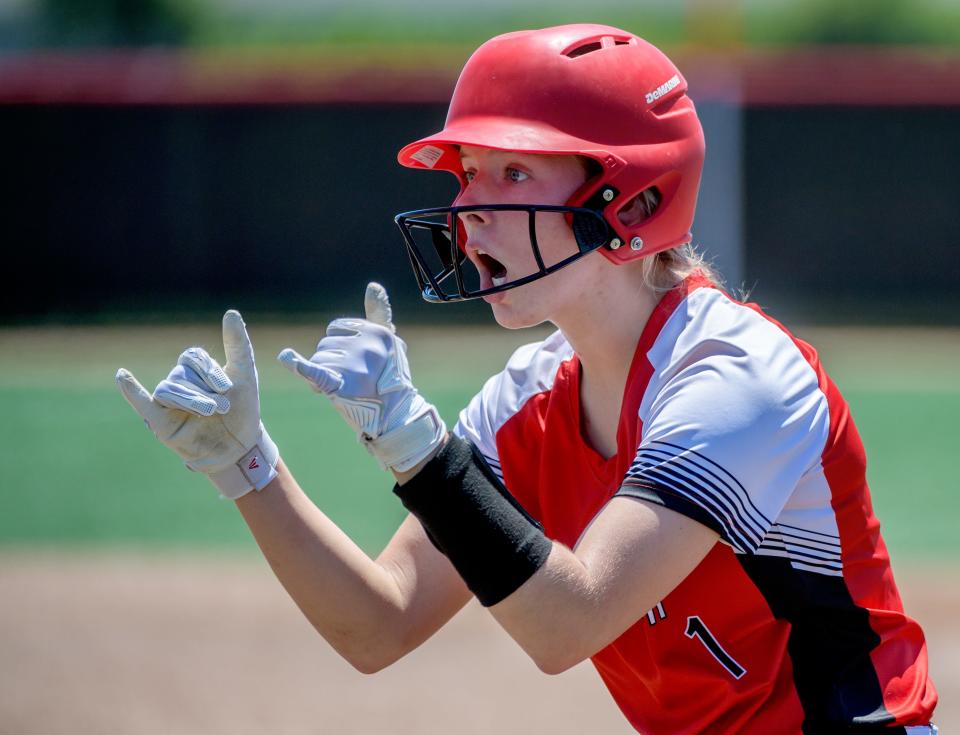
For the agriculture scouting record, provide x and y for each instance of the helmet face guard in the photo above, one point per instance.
(436, 247)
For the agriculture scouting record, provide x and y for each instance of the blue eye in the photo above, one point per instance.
(515, 174)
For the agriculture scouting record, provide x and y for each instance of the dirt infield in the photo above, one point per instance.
(142, 645)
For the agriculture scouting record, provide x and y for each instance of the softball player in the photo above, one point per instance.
(669, 485)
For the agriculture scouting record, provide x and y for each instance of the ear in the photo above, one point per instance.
(640, 207)
(633, 213)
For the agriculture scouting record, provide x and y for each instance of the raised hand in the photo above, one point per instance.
(210, 415)
(361, 365)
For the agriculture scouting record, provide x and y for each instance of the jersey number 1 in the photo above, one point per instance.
(696, 627)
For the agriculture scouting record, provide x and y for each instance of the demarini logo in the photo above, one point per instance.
(253, 464)
(672, 83)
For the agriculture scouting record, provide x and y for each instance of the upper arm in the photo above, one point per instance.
(635, 553)
(431, 591)
(629, 558)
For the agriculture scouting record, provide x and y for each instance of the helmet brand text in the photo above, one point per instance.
(672, 83)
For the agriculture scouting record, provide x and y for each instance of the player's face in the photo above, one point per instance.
(498, 242)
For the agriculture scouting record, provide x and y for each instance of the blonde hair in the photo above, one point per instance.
(664, 270)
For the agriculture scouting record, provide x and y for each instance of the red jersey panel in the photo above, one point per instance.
(793, 622)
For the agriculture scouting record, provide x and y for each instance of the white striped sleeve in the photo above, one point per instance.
(733, 419)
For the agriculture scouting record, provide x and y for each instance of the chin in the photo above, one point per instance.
(508, 321)
(513, 316)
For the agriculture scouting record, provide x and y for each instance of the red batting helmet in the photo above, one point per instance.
(586, 90)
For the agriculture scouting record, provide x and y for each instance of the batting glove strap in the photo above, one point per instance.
(408, 445)
(253, 471)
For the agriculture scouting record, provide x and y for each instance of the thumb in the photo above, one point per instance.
(323, 379)
(236, 341)
(376, 305)
(139, 398)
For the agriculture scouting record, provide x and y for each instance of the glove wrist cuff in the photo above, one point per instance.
(407, 446)
(253, 471)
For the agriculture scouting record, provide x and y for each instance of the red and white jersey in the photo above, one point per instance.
(793, 623)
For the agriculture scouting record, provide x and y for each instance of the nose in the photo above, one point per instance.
(470, 196)
(474, 219)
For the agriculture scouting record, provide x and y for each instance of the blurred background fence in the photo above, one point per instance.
(167, 156)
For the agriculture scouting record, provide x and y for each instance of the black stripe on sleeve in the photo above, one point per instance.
(692, 477)
(713, 474)
(663, 496)
(494, 464)
(810, 559)
(684, 494)
(683, 482)
(812, 551)
(776, 531)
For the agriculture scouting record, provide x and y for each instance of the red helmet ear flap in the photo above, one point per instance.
(658, 227)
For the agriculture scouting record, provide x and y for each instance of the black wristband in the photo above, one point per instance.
(471, 517)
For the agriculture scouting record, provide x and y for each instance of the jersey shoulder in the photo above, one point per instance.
(710, 338)
(529, 371)
(734, 419)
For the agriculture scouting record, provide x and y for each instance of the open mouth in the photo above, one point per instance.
(496, 269)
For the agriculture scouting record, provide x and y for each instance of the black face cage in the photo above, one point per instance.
(590, 230)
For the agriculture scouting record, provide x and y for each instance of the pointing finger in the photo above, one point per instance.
(376, 305)
(323, 379)
(236, 341)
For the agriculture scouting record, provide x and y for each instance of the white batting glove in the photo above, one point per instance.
(210, 415)
(361, 365)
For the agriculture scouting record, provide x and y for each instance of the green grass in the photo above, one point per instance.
(79, 468)
(910, 442)
(82, 469)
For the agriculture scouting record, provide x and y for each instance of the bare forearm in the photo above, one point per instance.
(352, 601)
(554, 615)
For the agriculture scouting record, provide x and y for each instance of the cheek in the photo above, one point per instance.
(555, 240)
(512, 233)
(572, 283)
(544, 298)
(555, 237)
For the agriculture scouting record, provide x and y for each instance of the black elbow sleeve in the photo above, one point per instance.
(471, 518)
